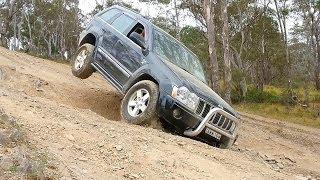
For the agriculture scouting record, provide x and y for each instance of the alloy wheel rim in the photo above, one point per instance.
(80, 59)
(138, 102)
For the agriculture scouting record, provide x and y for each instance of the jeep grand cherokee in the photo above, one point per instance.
(158, 76)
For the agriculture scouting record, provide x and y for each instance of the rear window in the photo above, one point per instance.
(109, 14)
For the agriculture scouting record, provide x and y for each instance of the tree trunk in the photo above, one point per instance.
(317, 35)
(243, 81)
(260, 66)
(289, 73)
(14, 47)
(30, 43)
(283, 30)
(211, 32)
(226, 51)
(177, 16)
(49, 47)
(19, 35)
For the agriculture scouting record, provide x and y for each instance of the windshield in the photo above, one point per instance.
(171, 50)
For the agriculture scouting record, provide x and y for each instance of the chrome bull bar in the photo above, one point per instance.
(205, 123)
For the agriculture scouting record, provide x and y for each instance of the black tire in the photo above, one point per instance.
(227, 143)
(86, 69)
(149, 117)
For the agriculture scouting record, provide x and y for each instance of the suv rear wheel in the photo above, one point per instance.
(140, 103)
(81, 64)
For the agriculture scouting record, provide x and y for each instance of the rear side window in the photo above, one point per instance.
(109, 14)
(122, 23)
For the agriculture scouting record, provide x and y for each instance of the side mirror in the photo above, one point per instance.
(139, 40)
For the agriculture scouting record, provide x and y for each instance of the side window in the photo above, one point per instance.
(109, 14)
(122, 23)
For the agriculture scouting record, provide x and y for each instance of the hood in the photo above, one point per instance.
(200, 88)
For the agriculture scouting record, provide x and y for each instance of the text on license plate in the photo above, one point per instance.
(212, 133)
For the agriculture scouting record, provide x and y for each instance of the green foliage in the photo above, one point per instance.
(287, 97)
(108, 3)
(255, 95)
(195, 40)
(165, 24)
(14, 168)
(285, 12)
(318, 4)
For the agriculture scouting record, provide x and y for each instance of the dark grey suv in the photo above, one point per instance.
(158, 76)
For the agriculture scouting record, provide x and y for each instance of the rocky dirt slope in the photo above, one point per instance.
(75, 125)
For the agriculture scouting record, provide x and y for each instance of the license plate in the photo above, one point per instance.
(213, 134)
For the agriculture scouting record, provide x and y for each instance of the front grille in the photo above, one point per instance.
(222, 122)
(217, 120)
(200, 107)
(203, 108)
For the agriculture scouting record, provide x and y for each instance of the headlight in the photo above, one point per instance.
(183, 95)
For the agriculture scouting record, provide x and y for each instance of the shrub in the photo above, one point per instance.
(255, 95)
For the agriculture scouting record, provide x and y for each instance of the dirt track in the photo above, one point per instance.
(76, 122)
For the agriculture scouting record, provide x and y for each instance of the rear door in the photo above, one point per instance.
(117, 56)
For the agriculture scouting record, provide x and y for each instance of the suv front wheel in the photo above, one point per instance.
(139, 106)
(81, 64)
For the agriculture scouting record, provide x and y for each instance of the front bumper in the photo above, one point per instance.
(191, 124)
(205, 124)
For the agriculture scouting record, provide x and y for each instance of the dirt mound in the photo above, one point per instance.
(18, 159)
(76, 123)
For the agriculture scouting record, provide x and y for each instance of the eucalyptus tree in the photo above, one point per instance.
(206, 14)
(304, 47)
(10, 17)
(226, 50)
(282, 13)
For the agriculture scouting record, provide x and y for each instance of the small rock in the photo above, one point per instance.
(39, 90)
(163, 141)
(83, 159)
(181, 143)
(119, 148)
(290, 159)
(79, 148)
(101, 144)
(116, 168)
(280, 165)
(131, 176)
(3, 94)
(300, 177)
(70, 137)
(13, 68)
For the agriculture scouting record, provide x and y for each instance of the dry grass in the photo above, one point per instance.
(308, 116)
(314, 95)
